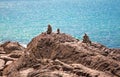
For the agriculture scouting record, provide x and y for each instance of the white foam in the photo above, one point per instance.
(24, 45)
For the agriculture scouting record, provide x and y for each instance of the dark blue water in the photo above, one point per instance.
(21, 20)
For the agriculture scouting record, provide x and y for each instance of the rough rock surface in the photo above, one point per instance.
(8, 47)
(60, 55)
(9, 52)
(2, 62)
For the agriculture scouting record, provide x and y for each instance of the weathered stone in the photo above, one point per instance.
(2, 50)
(24, 73)
(86, 39)
(49, 30)
(4, 44)
(58, 31)
(2, 63)
(16, 54)
(11, 46)
(8, 62)
(54, 54)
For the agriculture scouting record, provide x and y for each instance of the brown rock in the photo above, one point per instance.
(49, 30)
(4, 44)
(16, 54)
(25, 61)
(2, 50)
(24, 73)
(86, 39)
(11, 46)
(50, 74)
(8, 62)
(6, 58)
(58, 31)
(2, 63)
(50, 46)
(53, 55)
(43, 45)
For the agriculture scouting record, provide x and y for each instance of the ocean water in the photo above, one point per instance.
(21, 20)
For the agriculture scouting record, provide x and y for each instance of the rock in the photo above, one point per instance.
(86, 39)
(9, 52)
(26, 60)
(2, 63)
(72, 51)
(58, 31)
(4, 44)
(49, 30)
(16, 54)
(54, 55)
(50, 74)
(4, 76)
(24, 73)
(8, 62)
(116, 72)
(6, 58)
(2, 50)
(11, 46)
(14, 74)
(0, 73)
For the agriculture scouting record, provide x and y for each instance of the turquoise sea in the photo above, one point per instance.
(21, 20)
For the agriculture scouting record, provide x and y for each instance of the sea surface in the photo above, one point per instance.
(21, 20)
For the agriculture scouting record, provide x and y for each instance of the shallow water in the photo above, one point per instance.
(22, 20)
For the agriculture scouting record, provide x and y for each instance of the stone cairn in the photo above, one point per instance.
(49, 29)
(58, 31)
(86, 39)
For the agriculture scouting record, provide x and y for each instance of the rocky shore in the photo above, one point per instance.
(58, 55)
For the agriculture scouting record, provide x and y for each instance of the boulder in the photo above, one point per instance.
(43, 45)
(11, 46)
